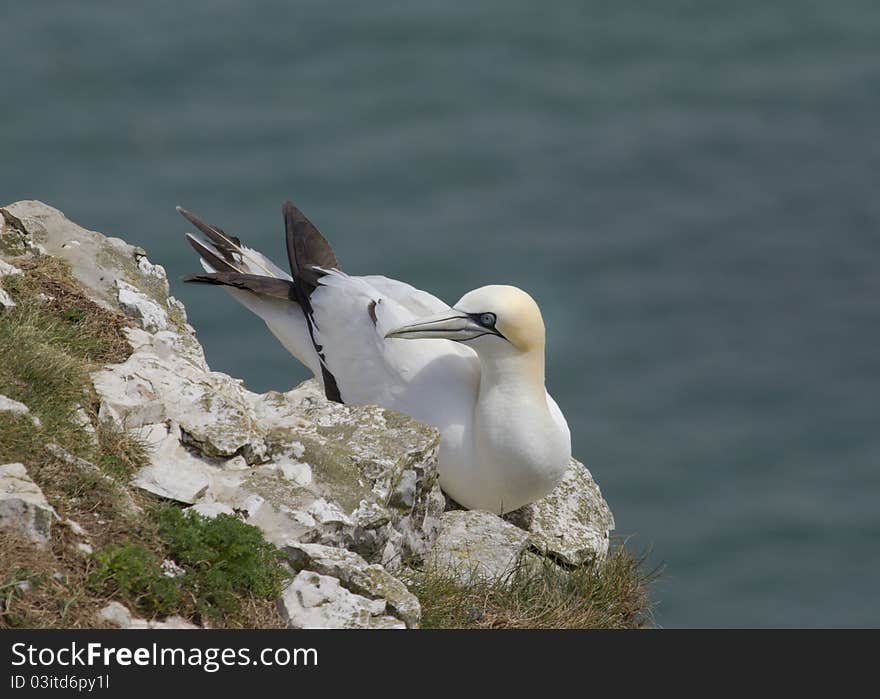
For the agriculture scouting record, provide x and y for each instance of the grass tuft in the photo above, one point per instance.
(39, 589)
(55, 308)
(223, 562)
(224, 559)
(133, 573)
(541, 595)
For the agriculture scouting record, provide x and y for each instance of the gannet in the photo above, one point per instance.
(474, 370)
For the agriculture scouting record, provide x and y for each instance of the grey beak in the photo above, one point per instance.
(449, 325)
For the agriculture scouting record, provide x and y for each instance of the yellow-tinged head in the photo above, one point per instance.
(509, 312)
(485, 316)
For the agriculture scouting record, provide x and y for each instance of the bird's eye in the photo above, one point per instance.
(487, 320)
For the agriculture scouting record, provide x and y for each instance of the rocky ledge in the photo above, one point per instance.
(349, 493)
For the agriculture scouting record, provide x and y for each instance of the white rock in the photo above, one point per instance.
(406, 490)
(573, 523)
(170, 569)
(297, 450)
(326, 512)
(138, 338)
(313, 601)
(295, 471)
(475, 544)
(6, 300)
(76, 527)
(7, 269)
(13, 406)
(236, 463)
(148, 268)
(173, 472)
(280, 523)
(140, 307)
(171, 622)
(116, 614)
(358, 576)
(81, 419)
(23, 507)
(178, 306)
(334, 465)
(164, 379)
(95, 260)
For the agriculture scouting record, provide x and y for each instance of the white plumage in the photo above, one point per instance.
(475, 370)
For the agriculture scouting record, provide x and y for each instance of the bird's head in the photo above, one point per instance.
(491, 318)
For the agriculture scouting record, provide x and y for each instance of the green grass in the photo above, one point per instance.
(50, 343)
(133, 573)
(541, 595)
(223, 561)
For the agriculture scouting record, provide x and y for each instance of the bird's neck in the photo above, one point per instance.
(517, 376)
(515, 435)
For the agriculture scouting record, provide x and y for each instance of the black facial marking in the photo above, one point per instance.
(487, 320)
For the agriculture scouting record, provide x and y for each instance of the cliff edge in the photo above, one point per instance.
(153, 491)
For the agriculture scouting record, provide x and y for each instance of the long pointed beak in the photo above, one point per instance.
(448, 325)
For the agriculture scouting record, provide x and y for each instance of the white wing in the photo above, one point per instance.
(432, 380)
(418, 302)
(558, 417)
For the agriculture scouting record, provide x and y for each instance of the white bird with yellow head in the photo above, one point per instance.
(474, 370)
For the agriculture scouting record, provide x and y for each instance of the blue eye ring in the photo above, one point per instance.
(487, 320)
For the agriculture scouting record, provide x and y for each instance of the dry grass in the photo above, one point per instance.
(541, 595)
(50, 343)
(58, 310)
(44, 588)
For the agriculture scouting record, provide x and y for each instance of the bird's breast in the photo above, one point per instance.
(521, 450)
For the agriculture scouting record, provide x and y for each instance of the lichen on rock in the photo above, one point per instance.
(475, 544)
(573, 523)
(315, 601)
(369, 580)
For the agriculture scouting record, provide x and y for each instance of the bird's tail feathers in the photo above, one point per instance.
(270, 287)
(229, 263)
(225, 253)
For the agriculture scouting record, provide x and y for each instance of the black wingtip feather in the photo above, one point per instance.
(226, 244)
(306, 250)
(306, 247)
(218, 263)
(261, 286)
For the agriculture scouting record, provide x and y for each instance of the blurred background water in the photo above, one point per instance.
(689, 189)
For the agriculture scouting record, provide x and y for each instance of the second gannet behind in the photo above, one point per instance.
(476, 371)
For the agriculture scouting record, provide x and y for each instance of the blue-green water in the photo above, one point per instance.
(691, 191)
